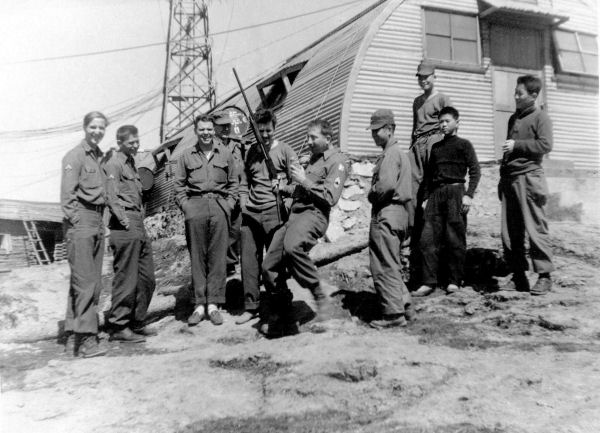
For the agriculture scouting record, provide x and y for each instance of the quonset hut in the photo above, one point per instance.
(479, 47)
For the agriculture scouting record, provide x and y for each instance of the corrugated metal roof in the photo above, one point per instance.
(27, 210)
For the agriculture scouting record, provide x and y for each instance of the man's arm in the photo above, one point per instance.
(389, 171)
(179, 185)
(330, 190)
(233, 185)
(113, 171)
(71, 169)
(474, 169)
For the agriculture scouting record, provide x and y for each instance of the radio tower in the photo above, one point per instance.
(188, 83)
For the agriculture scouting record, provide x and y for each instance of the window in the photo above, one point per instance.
(577, 52)
(274, 89)
(5, 244)
(451, 37)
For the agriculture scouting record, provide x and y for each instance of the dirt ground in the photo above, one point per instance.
(483, 360)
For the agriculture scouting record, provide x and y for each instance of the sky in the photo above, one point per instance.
(43, 100)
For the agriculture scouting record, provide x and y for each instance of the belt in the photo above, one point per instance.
(93, 207)
(206, 195)
(438, 184)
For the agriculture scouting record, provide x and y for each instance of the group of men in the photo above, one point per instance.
(266, 208)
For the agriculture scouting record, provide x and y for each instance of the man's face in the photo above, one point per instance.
(426, 81)
(448, 124)
(94, 131)
(522, 97)
(317, 142)
(267, 132)
(223, 131)
(381, 135)
(205, 131)
(130, 145)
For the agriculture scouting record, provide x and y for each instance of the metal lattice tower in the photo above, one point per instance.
(188, 83)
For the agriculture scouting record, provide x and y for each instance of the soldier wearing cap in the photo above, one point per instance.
(133, 282)
(223, 130)
(206, 189)
(425, 133)
(390, 197)
(318, 188)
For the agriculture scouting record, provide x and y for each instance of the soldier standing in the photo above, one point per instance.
(82, 198)
(318, 189)
(390, 196)
(133, 282)
(206, 189)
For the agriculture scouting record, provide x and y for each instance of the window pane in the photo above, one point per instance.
(465, 51)
(464, 27)
(438, 47)
(591, 63)
(571, 61)
(588, 43)
(437, 23)
(566, 41)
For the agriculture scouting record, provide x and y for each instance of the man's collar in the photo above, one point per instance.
(526, 111)
(216, 145)
(87, 148)
(125, 158)
(330, 152)
(392, 141)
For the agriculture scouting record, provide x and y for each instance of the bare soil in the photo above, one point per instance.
(482, 360)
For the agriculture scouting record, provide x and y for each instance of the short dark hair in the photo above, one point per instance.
(451, 111)
(125, 132)
(265, 116)
(532, 83)
(203, 118)
(324, 126)
(94, 115)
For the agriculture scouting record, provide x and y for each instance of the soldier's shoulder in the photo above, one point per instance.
(74, 154)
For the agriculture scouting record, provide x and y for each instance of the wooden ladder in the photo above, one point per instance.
(41, 255)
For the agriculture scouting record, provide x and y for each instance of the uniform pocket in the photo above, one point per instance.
(90, 177)
(219, 172)
(537, 188)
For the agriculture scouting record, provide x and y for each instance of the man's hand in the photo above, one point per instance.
(508, 146)
(297, 173)
(466, 203)
(424, 204)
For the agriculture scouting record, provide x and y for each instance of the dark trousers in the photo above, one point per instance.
(133, 265)
(289, 248)
(444, 230)
(233, 250)
(257, 232)
(207, 234)
(418, 156)
(388, 230)
(523, 198)
(85, 249)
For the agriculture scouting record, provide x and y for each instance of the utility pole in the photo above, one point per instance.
(188, 82)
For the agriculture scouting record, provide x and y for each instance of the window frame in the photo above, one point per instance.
(453, 64)
(580, 51)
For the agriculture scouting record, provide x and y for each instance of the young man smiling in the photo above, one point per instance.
(206, 189)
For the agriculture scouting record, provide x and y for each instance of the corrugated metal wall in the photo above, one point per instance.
(386, 79)
(574, 112)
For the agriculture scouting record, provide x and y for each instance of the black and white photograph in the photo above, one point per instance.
(317, 216)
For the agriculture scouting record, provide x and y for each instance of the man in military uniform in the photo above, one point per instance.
(133, 282)
(390, 196)
(261, 218)
(318, 189)
(206, 189)
(82, 198)
(223, 130)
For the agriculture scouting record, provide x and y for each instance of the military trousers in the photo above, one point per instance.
(234, 247)
(133, 265)
(207, 235)
(258, 228)
(523, 198)
(387, 231)
(85, 251)
(289, 250)
(444, 232)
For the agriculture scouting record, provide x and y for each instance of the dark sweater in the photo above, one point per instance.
(449, 161)
(531, 129)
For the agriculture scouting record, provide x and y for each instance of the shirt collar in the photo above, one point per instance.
(330, 152)
(88, 149)
(390, 143)
(216, 146)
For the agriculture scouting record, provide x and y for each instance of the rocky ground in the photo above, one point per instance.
(481, 360)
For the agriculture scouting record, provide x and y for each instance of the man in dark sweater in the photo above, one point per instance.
(446, 204)
(523, 190)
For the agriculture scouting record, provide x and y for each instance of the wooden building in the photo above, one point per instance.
(479, 47)
(43, 221)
